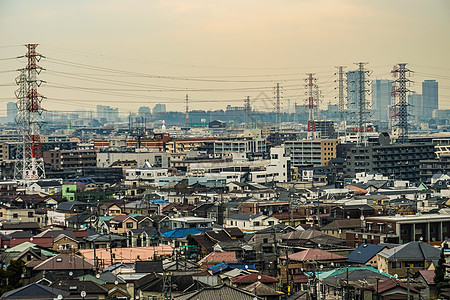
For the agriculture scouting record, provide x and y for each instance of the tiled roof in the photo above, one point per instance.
(314, 254)
(364, 252)
(219, 292)
(392, 283)
(34, 290)
(412, 251)
(260, 289)
(217, 257)
(428, 276)
(65, 262)
(254, 277)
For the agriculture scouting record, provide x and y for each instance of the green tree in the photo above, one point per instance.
(439, 273)
(10, 278)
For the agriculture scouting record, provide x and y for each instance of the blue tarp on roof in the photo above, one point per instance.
(223, 266)
(183, 232)
(364, 253)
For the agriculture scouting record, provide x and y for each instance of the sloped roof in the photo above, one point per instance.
(412, 251)
(204, 242)
(149, 266)
(34, 290)
(182, 232)
(109, 277)
(254, 277)
(343, 224)
(314, 254)
(260, 289)
(364, 253)
(393, 283)
(65, 261)
(301, 234)
(217, 257)
(219, 292)
(428, 276)
(234, 266)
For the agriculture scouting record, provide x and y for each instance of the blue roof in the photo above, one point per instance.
(183, 232)
(364, 253)
(159, 201)
(223, 266)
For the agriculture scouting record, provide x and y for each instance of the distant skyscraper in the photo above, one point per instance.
(415, 109)
(381, 98)
(159, 108)
(430, 97)
(353, 93)
(11, 112)
(144, 110)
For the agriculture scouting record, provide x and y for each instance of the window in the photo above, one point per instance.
(30, 214)
(271, 223)
(129, 224)
(256, 223)
(265, 241)
(15, 216)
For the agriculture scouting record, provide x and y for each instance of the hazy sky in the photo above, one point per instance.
(138, 53)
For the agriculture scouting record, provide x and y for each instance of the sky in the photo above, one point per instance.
(134, 53)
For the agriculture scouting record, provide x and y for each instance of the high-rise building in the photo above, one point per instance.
(144, 110)
(381, 98)
(415, 108)
(107, 113)
(430, 97)
(316, 152)
(11, 112)
(159, 108)
(353, 87)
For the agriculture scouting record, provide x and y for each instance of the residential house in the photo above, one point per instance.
(414, 256)
(249, 222)
(366, 255)
(121, 224)
(219, 292)
(308, 260)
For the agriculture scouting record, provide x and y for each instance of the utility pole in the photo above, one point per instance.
(408, 288)
(401, 106)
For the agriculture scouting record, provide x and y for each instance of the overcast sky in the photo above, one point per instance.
(136, 53)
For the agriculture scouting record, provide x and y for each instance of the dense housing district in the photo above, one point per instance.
(238, 213)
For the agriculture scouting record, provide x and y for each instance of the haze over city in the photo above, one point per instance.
(128, 54)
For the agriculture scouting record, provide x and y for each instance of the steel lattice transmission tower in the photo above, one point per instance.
(29, 159)
(187, 109)
(401, 92)
(311, 90)
(341, 97)
(277, 103)
(248, 111)
(359, 82)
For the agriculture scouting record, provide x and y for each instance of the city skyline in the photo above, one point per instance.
(129, 56)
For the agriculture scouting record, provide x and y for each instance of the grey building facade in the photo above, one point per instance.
(402, 161)
(430, 97)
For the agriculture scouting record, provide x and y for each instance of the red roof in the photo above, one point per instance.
(254, 277)
(300, 278)
(218, 257)
(120, 218)
(315, 254)
(428, 276)
(393, 283)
